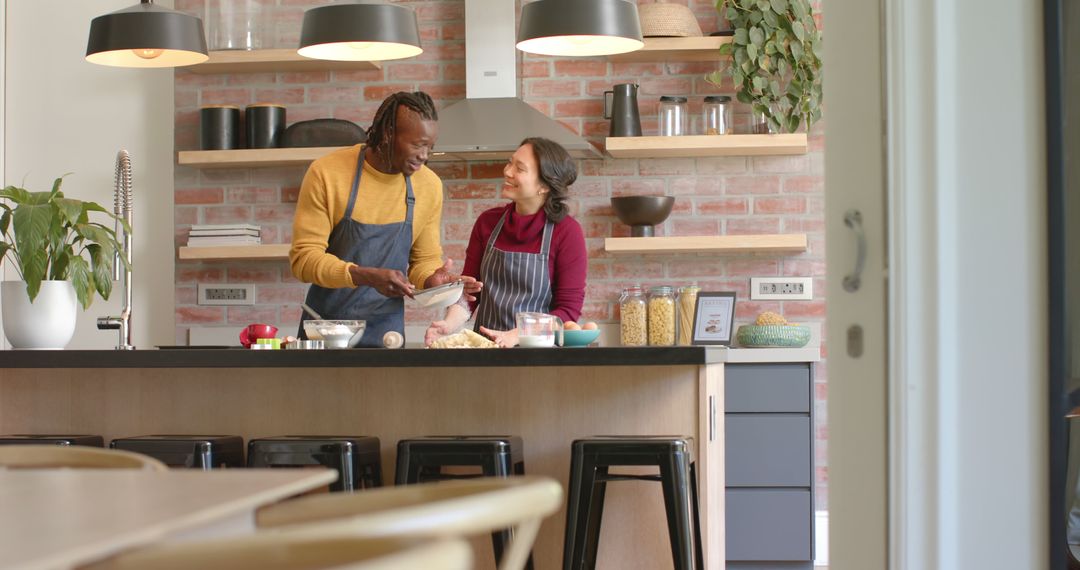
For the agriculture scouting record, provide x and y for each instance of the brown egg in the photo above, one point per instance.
(571, 326)
(589, 326)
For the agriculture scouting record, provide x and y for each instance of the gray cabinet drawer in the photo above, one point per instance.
(767, 450)
(773, 524)
(767, 388)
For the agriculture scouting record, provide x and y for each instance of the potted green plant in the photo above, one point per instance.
(59, 253)
(775, 61)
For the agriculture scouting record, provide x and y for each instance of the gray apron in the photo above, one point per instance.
(367, 245)
(514, 282)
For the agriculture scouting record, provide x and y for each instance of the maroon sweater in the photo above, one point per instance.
(568, 261)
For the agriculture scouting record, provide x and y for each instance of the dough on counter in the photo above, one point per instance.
(464, 339)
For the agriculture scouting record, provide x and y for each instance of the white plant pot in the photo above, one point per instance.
(48, 322)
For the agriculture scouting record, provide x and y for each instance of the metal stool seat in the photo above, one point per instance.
(590, 462)
(356, 458)
(191, 451)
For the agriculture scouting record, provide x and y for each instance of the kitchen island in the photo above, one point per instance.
(547, 396)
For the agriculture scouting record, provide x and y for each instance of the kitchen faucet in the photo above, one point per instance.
(122, 207)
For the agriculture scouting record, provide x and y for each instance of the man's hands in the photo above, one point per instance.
(388, 282)
(444, 275)
(456, 317)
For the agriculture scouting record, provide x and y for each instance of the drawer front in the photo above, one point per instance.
(767, 450)
(767, 388)
(774, 525)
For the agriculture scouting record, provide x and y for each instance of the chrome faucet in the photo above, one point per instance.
(122, 207)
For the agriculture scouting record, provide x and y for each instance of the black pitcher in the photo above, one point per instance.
(625, 120)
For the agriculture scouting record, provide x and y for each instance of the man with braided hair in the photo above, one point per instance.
(366, 230)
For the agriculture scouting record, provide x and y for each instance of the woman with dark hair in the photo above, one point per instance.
(529, 254)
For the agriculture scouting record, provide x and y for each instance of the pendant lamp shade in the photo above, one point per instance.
(579, 27)
(146, 35)
(363, 30)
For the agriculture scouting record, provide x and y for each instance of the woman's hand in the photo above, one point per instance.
(505, 339)
(388, 282)
(444, 275)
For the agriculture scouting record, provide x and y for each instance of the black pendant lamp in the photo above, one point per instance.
(146, 35)
(579, 27)
(362, 30)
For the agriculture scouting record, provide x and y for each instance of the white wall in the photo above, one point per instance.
(62, 115)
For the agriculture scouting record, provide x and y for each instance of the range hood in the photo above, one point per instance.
(492, 121)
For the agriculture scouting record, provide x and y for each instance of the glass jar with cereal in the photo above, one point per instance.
(661, 316)
(632, 323)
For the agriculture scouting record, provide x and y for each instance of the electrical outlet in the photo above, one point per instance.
(781, 288)
(230, 294)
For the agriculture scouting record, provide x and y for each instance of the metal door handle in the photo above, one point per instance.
(853, 220)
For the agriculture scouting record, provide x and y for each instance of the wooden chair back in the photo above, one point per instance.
(287, 551)
(456, 508)
(75, 457)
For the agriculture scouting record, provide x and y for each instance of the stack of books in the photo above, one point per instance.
(224, 234)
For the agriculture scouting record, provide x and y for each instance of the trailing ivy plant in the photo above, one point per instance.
(47, 236)
(776, 60)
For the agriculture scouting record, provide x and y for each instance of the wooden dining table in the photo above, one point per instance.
(62, 518)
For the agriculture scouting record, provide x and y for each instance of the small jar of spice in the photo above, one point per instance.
(632, 323)
(661, 316)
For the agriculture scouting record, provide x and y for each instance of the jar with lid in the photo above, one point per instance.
(673, 117)
(661, 316)
(238, 24)
(716, 115)
(632, 319)
(687, 306)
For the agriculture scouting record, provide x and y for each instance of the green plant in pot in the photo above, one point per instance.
(59, 253)
(776, 61)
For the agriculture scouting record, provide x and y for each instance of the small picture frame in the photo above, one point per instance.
(714, 318)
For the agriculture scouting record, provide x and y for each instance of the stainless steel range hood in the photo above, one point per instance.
(492, 121)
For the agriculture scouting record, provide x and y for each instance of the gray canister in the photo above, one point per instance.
(219, 127)
(265, 125)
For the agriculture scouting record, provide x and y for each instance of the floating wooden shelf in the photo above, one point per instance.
(706, 145)
(676, 49)
(772, 243)
(271, 61)
(263, 252)
(248, 157)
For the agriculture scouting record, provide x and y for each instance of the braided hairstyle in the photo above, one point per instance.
(380, 136)
(557, 172)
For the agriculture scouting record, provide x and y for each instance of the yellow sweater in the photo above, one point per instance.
(324, 194)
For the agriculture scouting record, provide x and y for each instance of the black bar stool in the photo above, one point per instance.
(422, 459)
(356, 458)
(192, 451)
(589, 474)
(52, 439)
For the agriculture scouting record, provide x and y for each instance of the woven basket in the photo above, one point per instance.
(667, 20)
(773, 336)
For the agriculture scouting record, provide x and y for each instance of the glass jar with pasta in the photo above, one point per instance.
(661, 316)
(687, 305)
(632, 323)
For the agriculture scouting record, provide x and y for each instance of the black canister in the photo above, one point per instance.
(220, 127)
(265, 125)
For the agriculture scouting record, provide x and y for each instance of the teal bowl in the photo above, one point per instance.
(773, 336)
(580, 338)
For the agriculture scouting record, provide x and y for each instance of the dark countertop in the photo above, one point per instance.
(372, 358)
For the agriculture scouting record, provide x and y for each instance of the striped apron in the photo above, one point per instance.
(514, 282)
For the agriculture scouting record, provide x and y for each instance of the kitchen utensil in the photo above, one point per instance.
(311, 312)
(440, 296)
(335, 333)
(773, 336)
(641, 213)
(673, 116)
(306, 345)
(253, 332)
(537, 329)
(265, 123)
(579, 338)
(716, 115)
(219, 127)
(624, 115)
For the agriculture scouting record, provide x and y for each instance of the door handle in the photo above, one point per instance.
(853, 220)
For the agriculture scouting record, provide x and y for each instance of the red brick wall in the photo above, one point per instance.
(731, 195)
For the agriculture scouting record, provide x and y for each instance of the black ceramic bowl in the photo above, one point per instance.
(641, 213)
